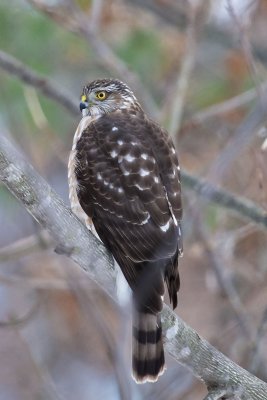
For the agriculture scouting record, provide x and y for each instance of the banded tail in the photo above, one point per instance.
(148, 361)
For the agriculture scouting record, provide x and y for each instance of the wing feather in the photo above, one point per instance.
(129, 185)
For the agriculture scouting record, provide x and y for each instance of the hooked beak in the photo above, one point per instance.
(84, 108)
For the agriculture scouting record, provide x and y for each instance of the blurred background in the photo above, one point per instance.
(198, 68)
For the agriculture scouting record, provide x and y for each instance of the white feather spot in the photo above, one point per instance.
(120, 190)
(120, 142)
(114, 153)
(129, 158)
(144, 156)
(139, 187)
(126, 173)
(134, 143)
(144, 172)
(105, 182)
(165, 227)
(173, 150)
(99, 176)
(178, 168)
(114, 129)
(145, 221)
(156, 179)
(111, 186)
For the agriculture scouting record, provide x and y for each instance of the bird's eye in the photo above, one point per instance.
(101, 95)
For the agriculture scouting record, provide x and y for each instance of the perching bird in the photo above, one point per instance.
(124, 184)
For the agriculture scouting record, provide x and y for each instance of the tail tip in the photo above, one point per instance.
(148, 378)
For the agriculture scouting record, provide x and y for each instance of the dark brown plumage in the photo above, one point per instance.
(125, 172)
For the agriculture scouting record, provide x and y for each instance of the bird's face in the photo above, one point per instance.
(104, 96)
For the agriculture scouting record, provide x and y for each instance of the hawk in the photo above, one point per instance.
(124, 181)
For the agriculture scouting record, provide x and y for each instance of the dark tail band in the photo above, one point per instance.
(147, 351)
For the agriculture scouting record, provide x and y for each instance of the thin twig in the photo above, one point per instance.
(226, 106)
(96, 10)
(241, 139)
(47, 87)
(25, 246)
(245, 44)
(256, 351)
(188, 62)
(77, 22)
(243, 207)
(226, 284)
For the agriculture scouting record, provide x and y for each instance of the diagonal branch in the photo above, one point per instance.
(47, 87)
(74, 20)
(182, 342)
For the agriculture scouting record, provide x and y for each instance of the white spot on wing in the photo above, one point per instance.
(144, 172)
(129, 158)
(146, 220)
(99, 176)
(156, 179)
(134, 143)
(114, 153)
(120, 142)
(165, 227)
(139, 187)
(173, 150)
(144, 156)
(114, 129)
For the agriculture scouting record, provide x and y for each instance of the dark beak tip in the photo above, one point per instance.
(82, 106)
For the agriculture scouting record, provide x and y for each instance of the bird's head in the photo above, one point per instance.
(104, 96)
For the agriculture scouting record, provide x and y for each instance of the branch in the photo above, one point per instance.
(182, 342)
(223, 198)
(25, 246)
(47, 87)
(197, 14)
(226, 106)
(74, 20)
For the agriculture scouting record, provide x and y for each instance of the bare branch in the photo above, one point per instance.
(197, 19)
(226, 106)
(182, 342)
(241, 139)
(77, 22)
(48, 88)
(207, 363)
(232, 392)
(242, 206)
(25, 246)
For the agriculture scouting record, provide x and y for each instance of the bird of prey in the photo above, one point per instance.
(124, 181)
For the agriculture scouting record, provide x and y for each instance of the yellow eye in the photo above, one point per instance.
(101, 95)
